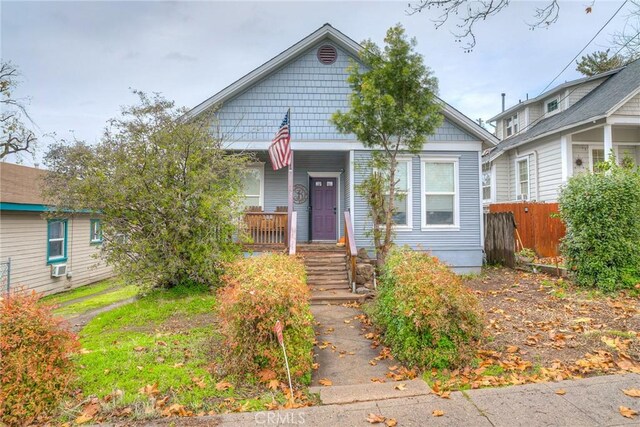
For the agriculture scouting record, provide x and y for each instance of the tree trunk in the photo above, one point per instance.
(381, 255)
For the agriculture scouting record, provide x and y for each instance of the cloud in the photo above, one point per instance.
(180, 57)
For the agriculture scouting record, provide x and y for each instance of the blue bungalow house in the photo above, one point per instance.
(442, 212)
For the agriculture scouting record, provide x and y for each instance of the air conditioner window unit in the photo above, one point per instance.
(58, 270)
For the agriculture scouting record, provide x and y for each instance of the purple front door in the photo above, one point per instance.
(323, 209)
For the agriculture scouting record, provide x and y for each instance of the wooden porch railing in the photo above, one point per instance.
(352, 251)
(267, 228)
(293, 233)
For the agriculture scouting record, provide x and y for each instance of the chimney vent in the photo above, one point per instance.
(503, 96)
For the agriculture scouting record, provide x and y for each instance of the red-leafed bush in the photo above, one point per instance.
(35, 359)
(258, 292)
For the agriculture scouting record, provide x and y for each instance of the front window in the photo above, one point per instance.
(511, 125)
(96, 231)
(552, 105)
(402, 201)
(253, 186)
(440, 193)
(486, 181)
(597, 157)
(403, 194)
(57, 240)
(523, 180)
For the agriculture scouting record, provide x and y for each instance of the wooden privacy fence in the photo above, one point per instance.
(538, 228)
(499, 238)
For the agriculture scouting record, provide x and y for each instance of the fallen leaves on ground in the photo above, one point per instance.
(150, 390)
(223, 385)
(437, 413)
(391, 422)
(627, 412)
(375, 418)
(632, 392)
(561, 392)
(400, 386)
(88, 412)
(325, 382)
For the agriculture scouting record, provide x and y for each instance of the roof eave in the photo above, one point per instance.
(546, 134)
(278, 61)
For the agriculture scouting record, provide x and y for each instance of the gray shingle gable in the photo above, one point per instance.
(597, 104)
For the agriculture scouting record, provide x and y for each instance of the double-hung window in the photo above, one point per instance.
(522, 179)
(253, 185)
(95, 231)
(597, 157)
(56, 240)
(486, 182)
(403, 195)
(511, 125)
(440, 193)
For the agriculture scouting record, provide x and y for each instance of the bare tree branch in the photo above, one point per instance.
(15, 137)
(469, 13)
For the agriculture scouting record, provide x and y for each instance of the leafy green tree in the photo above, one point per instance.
(393, 108)
(167, 193)
(600, 210)
(599, 62)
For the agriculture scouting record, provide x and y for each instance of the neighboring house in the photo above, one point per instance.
(563, 132)
(442, 212)
(47, 254)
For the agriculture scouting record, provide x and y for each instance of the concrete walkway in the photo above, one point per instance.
(588, 402)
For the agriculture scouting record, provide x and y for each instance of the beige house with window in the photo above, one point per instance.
(47, 255)
(563, 132)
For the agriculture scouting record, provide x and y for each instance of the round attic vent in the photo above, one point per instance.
(327, 54)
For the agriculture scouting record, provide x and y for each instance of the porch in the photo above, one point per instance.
(320, 196)
(586, 149)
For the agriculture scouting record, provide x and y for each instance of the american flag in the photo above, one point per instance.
(280, 150)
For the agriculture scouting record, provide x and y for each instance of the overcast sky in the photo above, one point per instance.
(78, 60)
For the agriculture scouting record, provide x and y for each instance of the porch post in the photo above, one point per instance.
(290, 185)
(566, 154)
(608, 141)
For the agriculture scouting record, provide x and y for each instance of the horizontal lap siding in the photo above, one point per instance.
(23, 238)
(275, 185)
(459, 248)
(312, 90)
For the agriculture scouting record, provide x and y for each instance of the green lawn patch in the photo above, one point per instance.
(170, 339)
(98, 301)
(80, 292)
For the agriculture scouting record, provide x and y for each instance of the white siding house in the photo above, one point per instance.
(567, 130)
(39, 246)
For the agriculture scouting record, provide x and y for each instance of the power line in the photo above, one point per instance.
(585, 46)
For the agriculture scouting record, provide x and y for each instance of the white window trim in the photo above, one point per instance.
(423, 194)
(491, 172)
(546, 105)
(260, 167)
(592, 167)
(517, 170)
(515, 126)
(409, 225)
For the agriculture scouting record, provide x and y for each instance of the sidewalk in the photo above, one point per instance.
(588, 402)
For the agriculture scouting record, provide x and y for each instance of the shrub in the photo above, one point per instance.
(602, 244)
(259, 291)
(426, 315)
(35, 363)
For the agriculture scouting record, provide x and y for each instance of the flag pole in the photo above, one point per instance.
(290, 185)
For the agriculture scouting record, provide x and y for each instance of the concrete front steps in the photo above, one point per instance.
(327, 277)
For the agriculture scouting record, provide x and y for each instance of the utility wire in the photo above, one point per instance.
(585, 46)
